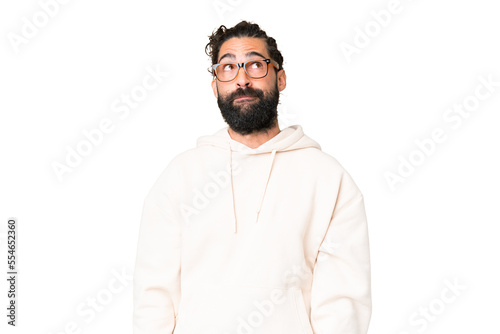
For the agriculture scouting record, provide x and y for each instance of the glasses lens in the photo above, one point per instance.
(227, 72)
(256, 68)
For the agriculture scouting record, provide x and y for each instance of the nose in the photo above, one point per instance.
(242, 79)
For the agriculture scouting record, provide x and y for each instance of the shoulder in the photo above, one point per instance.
(330, 168)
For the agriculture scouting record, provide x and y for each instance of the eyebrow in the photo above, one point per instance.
(248, 54)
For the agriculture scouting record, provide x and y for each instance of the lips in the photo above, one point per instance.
(245, 97)
(245, 94)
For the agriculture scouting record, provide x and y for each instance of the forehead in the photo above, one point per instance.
(240, 46)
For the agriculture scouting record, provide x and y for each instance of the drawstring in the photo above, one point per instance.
(273, 153)
(232, 189)
(267, 181)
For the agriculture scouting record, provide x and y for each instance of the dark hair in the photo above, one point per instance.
(242, 29)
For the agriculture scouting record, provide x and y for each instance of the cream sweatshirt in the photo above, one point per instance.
(271, 240)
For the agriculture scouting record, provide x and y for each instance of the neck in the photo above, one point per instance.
(255, 139)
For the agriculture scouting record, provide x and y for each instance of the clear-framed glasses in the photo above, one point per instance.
(255, 69)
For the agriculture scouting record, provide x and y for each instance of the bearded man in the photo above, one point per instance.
(256, 229)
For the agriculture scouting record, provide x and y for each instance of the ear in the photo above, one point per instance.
(214, 87)
(281, 80)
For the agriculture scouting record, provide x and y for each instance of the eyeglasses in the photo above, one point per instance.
(255, 69)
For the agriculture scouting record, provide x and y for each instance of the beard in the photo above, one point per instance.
(245, 117)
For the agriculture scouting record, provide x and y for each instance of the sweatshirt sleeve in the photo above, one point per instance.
(341, 288)
(156, 292)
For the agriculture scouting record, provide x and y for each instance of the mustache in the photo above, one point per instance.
(250, 92)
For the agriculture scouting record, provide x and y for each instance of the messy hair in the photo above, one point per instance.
(242, 29)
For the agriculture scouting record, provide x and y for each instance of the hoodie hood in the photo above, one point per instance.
(288, 139)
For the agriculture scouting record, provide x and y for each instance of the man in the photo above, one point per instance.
(256, 230)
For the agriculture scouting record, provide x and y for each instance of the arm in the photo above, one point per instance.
(341, 288)
(157, 268)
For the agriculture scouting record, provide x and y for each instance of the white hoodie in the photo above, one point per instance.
(271, 240)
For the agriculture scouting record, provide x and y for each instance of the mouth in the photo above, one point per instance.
(244, 98)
